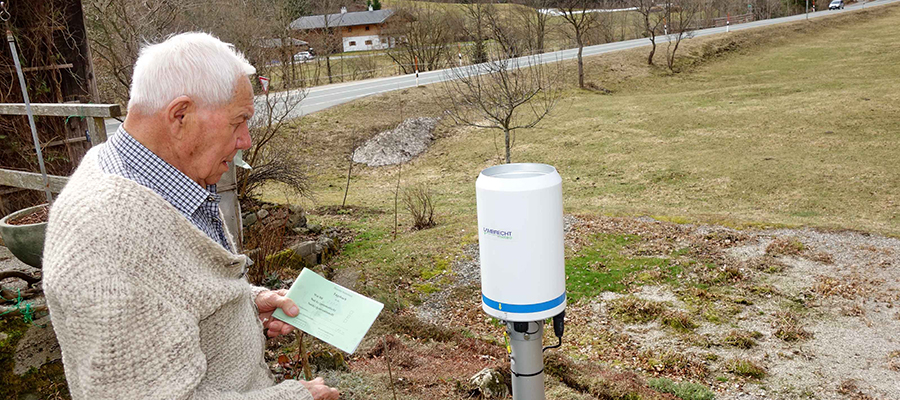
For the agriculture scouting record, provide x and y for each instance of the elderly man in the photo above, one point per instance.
(146, 293)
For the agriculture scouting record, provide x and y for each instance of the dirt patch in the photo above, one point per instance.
(36, 217)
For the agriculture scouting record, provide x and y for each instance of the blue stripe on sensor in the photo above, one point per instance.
(523, 308)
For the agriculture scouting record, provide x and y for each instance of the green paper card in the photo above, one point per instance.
(336, 315)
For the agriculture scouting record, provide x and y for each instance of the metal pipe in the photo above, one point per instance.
(34, 135)
(527, 360)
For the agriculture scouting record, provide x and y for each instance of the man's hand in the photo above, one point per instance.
(267, 302)
(319, 391)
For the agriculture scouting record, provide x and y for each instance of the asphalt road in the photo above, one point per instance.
(322, 97)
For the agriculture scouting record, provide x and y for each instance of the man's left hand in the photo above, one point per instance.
(269, 301)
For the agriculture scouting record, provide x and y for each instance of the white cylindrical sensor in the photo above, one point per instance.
(520, 238)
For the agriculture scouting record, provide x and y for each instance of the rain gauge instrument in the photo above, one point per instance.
(523, 280)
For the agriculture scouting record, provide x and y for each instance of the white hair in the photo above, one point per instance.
(194, 64)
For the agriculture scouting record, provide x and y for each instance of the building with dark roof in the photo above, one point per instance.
(361, 30)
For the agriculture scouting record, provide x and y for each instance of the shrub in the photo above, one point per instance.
(419, 203)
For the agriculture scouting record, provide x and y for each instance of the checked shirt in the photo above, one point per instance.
(124, 156)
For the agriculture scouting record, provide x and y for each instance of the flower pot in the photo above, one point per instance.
(26, 242)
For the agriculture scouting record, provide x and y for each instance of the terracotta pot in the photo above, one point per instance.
(26, 242)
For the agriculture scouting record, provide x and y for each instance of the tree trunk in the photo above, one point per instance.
(540, 41)
(506, 138)
(580, 60)
(328, 67)
(652, 35)
(671, 57)
(347, 189)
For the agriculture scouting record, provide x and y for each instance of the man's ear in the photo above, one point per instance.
(177, 110)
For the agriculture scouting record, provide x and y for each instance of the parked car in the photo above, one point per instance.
(836, 5)
(304, 56)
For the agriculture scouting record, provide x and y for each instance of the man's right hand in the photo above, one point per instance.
(319, 391)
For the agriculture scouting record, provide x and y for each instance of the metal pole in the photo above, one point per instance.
(34, 135)
(807, 10)
(527, 361)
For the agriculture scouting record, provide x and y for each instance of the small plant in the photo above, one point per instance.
(746, 368)
(742, 339)
(683, 390)
(788, 327)
(419, 203)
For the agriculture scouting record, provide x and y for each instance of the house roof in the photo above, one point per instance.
(276, 42)
(341, 19)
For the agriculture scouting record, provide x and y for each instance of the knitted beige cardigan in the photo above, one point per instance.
(144, 304)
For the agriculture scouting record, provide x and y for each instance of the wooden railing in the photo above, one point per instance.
(96, 135)
(230, 206)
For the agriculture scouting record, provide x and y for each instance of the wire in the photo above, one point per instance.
(554, 346)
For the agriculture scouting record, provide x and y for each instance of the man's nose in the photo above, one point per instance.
(244, 141)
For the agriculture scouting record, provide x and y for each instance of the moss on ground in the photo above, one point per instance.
(603, 267)
(47, 382)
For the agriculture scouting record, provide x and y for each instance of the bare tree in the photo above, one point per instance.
(578, 16)
(508, 32)
(535, 19)
(118, 28)
(504, 94)
(681, 16)
(330, 35)
(424, 31)
(474, 25)
(651, 20)
(356, 140)
(270, 160)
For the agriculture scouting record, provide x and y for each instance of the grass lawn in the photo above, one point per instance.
(794, 125)
(784, 126)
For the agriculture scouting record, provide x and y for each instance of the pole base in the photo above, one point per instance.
(526, 359)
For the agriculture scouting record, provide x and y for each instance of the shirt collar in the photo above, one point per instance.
(160, 176)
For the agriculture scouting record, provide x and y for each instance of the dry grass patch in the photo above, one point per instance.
(850, 389)
(854, 310)
(742, 339)
(633, 309)
(676, 363)
(850, 286)
(745, 367)
(785, 247)
(591, 379)
(894, 361)
(678, 321)
(788, 327)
